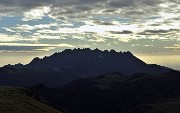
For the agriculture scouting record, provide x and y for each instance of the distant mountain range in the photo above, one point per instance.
(68, 65)
(95, 81)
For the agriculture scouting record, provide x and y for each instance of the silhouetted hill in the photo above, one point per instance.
(64, 67)
(90, 63)
(117, 93)
(14, 100)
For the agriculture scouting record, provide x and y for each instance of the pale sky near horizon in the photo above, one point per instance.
(147, 28)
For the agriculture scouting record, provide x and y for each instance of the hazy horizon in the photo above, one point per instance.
(172, 61)
(148, 28)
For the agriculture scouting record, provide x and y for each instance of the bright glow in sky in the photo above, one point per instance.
(41, 27)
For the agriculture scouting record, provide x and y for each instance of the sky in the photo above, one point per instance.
(147, 28)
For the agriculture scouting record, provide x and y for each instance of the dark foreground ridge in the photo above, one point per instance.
(14, 100)
(68, 65)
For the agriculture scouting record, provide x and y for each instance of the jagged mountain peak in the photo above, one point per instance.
(68, 65)
(95, 62)
(86, 51)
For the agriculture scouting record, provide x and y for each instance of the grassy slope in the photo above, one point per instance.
(171, 106)
(13, 100)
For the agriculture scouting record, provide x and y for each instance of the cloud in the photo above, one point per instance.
(97, 39)
(14, 38)
(57, 8)
(59, 31)
(18, 7)
(98, 22)
(29, 28)
(110, 28)
(8, 29)
(90, 21)
(27, 47)
(122, 32)
(175, 46)
(24, 28)
(87, 9)
(121, 3)
(159, 32)
(36, 14)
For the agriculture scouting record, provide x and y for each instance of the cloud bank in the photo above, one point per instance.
(119, 24)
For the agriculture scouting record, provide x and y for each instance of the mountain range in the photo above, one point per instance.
(91, 81)
(117, 93)
(69, 65)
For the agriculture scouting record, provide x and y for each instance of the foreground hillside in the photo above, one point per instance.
(117, 93)
(14, 100)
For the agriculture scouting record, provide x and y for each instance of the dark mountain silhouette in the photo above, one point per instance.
(70, 81)
(90, 63)
(117, 93)
(64, 67)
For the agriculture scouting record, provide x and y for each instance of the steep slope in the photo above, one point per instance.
(14, 100)
(171, 106)
(116, 93)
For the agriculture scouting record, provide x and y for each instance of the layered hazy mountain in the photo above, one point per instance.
(64, 67)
